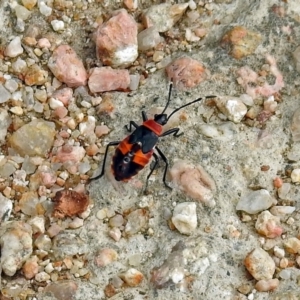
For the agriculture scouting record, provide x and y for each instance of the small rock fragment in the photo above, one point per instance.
(34, 138)
(107, 79)
(69, 153)
(105, 256)
(5, 208)
(268, 225)
(31, 267)
(255, 202)
(132, 277)
(35, 75)
(67, 67)
(69, 203)
(194, 181)
(281, 211)
(233, 108)
(186, 72)
(116, 40)
(267, 285)
(260, 264)
(295, 176)
(62, 290)
(241, 41)
(136, 221)
(14, 48)
(185, 217)
(292, 245)
(164, 15)
(16, 246)
(5, 95)
(148, 39)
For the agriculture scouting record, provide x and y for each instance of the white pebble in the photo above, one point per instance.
(17, 110)
(4, 94)
(11, 85)
(22, 12)
(44, 9)
(58, 25)
(285, 274)
(185, 217)
(295, 176)
(279, 252)
(54, 103)
(42, 276)
(14, 48)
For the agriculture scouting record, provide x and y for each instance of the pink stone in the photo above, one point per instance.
(107, 79)
(186, 72)
(60, 112)
(101, 130)
(69, 153)
(64, 95)
(44, 43)
(116, 40)
(67, 66)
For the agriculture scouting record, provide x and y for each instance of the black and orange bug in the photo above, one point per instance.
(135, 151)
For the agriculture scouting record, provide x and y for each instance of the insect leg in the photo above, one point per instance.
(131, 124)
(144, 116)
(173, 131)
(116, 143)
(166, 163)
(152, 169)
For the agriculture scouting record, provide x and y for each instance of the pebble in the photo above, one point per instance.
(224, 131)
(233, 108)
(29, 4)
(115, 233)
(255, 202)
(163, 16)
(76, 223)
(58, 25)
(34, 138)
(260, 264)
(16, 246)
(148, 39)
(281, 211)
(279, 252)
(136, 221)
(11, 85)
(5, 208)
(172, 270)
(194, 181)
(43, 242)
(293, 153)
(105, 257)
(14, 48)
(285, 274)
(45, 10)
(292, 245)
(295, 175)
(5, 121)
(37, 224)
(69, 203)
(42, 276)
(31, 267)
(69, 153)
(268, 225)
(61, 290)
(185, 217)
(5, 95)
(67, 66)
(132, 277)
(107, 79)
(17, 110)
(267, 285)
(241, 42)
(116, 221)
(22, 12)
(186, 72)
(116, 40)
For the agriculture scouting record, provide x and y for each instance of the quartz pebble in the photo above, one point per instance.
(16, 246)
(57, 25)
(136, 221)
(132, 277)
(5, 95)
(67, 66)
(186, 72)
(260, 264)
(185, 217)
(281, 211)
(194, 181)
(148, 39)
(105, 256)
(267, 285)
(42, 276)
(268, 225)
(31, 267)
(106, 79)
(279, 252)
(37, 224)
(116, 40)
(292, 245)
(255, 202)
(115, 233)
(34, 138)
(233, 108)
(164, 15)
(295, 176)
(14, 48)
(5, 208)
(5, 121)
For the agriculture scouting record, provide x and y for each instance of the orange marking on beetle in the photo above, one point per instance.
(153, 126)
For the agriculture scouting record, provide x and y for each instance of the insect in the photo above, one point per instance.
(135, 151)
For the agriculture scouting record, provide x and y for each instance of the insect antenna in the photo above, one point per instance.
(169, 96)
(187, 104)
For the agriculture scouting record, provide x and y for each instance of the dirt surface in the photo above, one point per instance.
(234, 160)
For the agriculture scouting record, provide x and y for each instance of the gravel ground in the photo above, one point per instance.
(242, 157)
